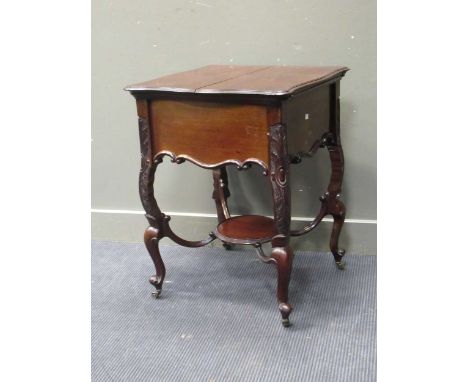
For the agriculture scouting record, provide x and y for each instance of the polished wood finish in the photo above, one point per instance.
(276, 80)
(208, 133)
(227, 115)
(191, 80)
(151, 238)
(234, 79)
(279, 178)
(159, 222)
(283, 257)
(247, 229)
(331, 200)
(281, 251)
(308, 119)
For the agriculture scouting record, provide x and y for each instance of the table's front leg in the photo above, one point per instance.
(282, 253)
(155, 217)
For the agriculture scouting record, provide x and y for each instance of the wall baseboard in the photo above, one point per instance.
(358, 236)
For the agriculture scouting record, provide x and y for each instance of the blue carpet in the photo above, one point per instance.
(217, 318)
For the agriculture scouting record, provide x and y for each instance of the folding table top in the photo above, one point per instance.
(237, 79)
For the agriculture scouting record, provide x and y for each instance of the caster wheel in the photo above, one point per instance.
(341, 265)
(227, 246)
(156, 294)
(286, 322)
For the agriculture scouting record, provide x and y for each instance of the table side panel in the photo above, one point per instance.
(307, 117)
(210, 133)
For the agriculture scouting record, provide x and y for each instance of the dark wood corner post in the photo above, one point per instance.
(331, 198)
(155, 217)
(282, 254)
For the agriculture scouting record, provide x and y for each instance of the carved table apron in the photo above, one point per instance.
(220, 115)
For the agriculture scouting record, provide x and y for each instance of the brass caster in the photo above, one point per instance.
(285, 310)
(156, 294)
(341, 265)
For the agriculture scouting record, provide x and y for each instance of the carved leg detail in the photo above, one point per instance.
(281, 254)
(155, 217)
(152, 237)
(220, 195)
(335, 206)
(283, 257)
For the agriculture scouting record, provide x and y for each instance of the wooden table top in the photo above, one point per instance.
(241, 79)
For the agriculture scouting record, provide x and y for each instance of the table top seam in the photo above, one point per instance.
(231, 78)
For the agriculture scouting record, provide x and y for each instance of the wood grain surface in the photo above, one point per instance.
(233, 79)
(211, 133)
(248, 227)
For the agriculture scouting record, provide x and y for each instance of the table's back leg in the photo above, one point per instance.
(282, 254)
(220, 195)
(155, 231)
(335, 206)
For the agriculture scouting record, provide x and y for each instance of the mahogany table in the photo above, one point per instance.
(220, 115)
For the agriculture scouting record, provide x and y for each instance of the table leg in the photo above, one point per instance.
(155, 217)
(220, 195)
(282, 254)
(334, 205)
(152, 236)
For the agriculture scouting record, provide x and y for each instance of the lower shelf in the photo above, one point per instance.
(246, 229)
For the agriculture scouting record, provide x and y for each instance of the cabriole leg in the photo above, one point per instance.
(281, 254)
(283, 258)
(152, 237)
(155, 231)
(335, 206)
